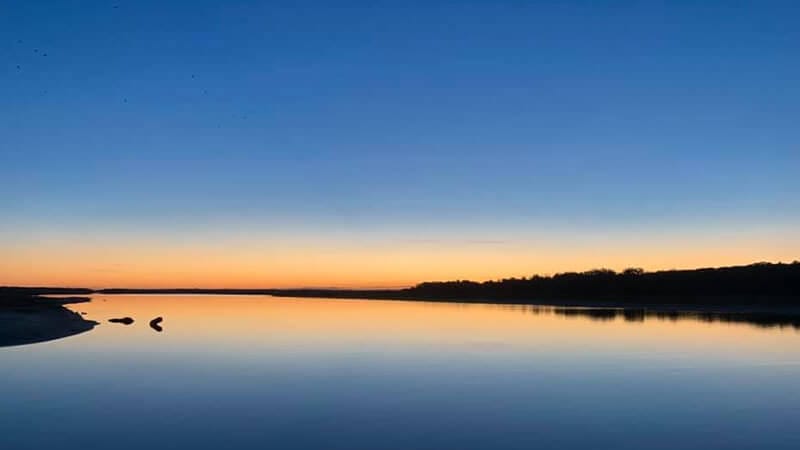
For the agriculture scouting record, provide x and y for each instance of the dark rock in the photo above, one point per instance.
(155, 324)
(123, 320)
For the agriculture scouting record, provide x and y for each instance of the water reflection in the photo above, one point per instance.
(758, 319)
(29, 327)
(250, 372)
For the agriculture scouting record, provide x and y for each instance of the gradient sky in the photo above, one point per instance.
(245, 144)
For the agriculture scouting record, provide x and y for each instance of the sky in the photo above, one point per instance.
(380, 144)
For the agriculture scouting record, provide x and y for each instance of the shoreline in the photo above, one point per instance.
(665, 304)
(31, 319)
(757, 287)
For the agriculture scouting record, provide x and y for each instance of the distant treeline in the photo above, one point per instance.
(186, 291)
(28, 296)
(23, 291)
(327, 293)
(761, 282)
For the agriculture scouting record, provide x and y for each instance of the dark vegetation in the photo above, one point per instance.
(762, 283)
(17, 297)
(8, 293)
(763, 294)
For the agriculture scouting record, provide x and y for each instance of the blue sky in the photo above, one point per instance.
(412, 117)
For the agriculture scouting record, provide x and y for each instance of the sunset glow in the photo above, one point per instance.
(259, 260)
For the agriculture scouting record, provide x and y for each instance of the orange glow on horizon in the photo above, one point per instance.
(289, 264)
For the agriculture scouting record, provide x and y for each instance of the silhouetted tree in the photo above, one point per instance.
(760, 282)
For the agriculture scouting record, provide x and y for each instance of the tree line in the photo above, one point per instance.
(762, 282)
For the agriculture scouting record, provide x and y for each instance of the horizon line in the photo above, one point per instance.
(363, 288)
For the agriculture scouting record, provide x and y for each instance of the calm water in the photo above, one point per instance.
(257, 373)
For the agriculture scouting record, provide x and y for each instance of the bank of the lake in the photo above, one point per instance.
(29, 318)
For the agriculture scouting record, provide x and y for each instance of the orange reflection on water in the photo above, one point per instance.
(211, 321)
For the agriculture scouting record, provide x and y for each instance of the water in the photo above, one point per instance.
(258, 372)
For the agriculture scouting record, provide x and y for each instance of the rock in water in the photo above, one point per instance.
(155, 324)
(123, 320)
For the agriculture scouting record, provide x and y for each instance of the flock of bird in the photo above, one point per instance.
(44, 54)
(36, 50)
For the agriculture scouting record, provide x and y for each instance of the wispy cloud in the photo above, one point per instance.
(456, 241)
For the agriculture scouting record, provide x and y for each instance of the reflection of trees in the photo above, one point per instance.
(766, 320)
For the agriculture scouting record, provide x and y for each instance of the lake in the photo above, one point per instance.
(252, 372)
